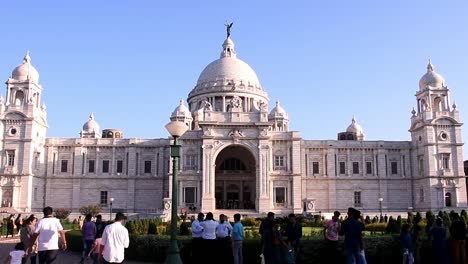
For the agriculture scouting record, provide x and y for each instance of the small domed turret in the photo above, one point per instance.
(182, 113)
(91, 128)
(25, 71)
(431, 78)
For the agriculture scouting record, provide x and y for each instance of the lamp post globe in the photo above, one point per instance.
(176, 129)
(380, 204)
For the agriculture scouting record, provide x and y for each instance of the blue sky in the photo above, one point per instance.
(130, 62)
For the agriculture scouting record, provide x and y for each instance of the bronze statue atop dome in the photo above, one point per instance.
(228, 29)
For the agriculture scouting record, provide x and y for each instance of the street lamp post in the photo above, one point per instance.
(110, 208)
(176, 129)
(380, 203)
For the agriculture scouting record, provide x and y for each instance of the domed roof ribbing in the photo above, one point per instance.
(431, 78)
(25, 71)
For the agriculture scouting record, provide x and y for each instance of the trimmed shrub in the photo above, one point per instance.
(93, 209)
(62, 213)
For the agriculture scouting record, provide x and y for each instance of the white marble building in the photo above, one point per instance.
(237, 155)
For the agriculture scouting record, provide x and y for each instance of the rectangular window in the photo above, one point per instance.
(357, 199)
(190, 162)
(105, 166)
(446, 161)
(280, 196)
(368, 167)
(119, 166)
(147, 166)
(189, 195)
(355, 167)
(279, 162)
(64, 166)
(342, 167)
(421, 166)
(91, 166)
(421, 195)
(11, 158)
(394, 165)
(103, 198)
(315, 167)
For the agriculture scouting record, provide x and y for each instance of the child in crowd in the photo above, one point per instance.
(96, 251)
(16, 255)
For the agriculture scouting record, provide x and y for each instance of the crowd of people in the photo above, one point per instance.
(218, 238)
(40, 239)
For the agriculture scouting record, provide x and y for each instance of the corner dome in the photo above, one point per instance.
(91, 126)
(278, 111)
(25, 71)
(181, 110)
(431, 78)
(355, 128)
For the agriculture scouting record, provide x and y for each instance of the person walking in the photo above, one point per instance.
(352, 229)
(197, 240)
(439, 243)
(331, 230)
(100, 225)
(47, 233)
(26, 233)
(266, 232)
(406, 242)
(80, 222)
(10, 225)
(114, 241)
(237, 239)
(223, 232)
(89, 234)
(457, 237)
(293, 233)
(18, 223)
(16, 256)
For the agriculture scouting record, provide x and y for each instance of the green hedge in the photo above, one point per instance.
(153, 248)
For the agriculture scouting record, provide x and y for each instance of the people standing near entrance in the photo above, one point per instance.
(197, 231)
(294, 234)
(266, 231)
(223, 232)
(209, 236)
(89, 235)
(331, 230)
(237, 238)
(10, 225)
(47, 232)
(114, 241)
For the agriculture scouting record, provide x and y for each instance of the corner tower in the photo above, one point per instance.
(439, 180)
(23, 122)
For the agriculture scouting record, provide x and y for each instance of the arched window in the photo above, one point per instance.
(342, 137)
(350, 137)
(19, 98)
(448, 199)
(437, 104)
(232, 164)
(117, 135)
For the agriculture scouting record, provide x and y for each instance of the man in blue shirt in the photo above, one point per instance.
(352, 229)
(237, 238)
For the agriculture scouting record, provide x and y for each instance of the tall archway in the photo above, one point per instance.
(235, 179)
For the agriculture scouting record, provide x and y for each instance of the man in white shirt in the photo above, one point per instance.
(223, 232)
(114, 241)
(47, 232)
(197, 231)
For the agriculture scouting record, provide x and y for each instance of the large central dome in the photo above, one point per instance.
(227, 76)
(229, 67)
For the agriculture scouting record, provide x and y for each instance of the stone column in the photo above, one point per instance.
(208, 200)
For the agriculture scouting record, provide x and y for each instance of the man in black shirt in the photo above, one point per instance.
(457, 234)
(294, 233)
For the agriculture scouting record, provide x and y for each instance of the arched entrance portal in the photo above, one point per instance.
(235, 179)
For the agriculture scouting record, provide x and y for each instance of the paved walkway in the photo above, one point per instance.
(64, 257)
